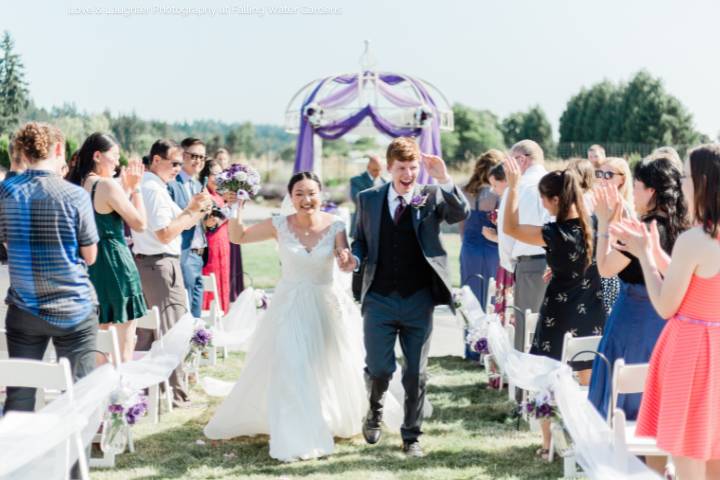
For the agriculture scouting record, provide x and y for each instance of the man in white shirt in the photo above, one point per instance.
(527, 261)
(157, 249)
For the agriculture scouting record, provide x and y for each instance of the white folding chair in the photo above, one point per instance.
(214, 314)
(628, 379)
(531, 320)
(491, 291)
(571, 352)
(151, 321)
(43, 376)
(108, 343)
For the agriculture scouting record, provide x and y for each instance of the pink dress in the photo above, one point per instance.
(681, 403)
(218, 261)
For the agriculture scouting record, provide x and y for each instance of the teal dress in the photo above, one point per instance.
(114, 274)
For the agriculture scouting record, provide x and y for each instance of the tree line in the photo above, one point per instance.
(632, 116)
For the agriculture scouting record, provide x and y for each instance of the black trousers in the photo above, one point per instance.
(387, 318)
(28, 337)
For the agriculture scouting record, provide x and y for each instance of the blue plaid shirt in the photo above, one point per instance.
(45, 220)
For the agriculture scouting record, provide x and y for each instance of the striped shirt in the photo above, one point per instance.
(44, 221)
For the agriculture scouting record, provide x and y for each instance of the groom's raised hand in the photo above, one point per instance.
(435, 167)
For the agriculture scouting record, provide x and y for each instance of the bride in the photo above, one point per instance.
(302, 381)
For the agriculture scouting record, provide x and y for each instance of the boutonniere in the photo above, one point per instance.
(419, 201)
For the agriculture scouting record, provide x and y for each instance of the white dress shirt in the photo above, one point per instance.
(161, 210)
(531, 212)
(393, 200)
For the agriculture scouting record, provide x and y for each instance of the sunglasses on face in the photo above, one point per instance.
(175, 164)
(606, 175)
(196, 156)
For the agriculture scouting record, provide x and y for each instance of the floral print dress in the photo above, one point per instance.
(574, 296)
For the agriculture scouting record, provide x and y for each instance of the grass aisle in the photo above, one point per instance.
(469, 437)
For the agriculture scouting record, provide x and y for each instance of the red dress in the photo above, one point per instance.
(681, 403)
(218, 260)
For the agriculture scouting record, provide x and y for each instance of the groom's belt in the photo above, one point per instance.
(158, 256)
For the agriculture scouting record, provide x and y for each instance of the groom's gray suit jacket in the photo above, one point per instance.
(440, 206)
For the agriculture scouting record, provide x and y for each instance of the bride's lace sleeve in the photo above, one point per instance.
(280, 224)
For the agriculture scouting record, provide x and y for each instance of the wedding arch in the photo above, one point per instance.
(369, 101)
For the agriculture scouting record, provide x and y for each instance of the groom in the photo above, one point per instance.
(405, 276)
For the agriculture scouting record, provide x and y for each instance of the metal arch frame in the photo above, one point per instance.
(292, 112)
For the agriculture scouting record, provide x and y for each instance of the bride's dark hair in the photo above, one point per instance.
(303, 176)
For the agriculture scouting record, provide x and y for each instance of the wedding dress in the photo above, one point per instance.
(302, 382)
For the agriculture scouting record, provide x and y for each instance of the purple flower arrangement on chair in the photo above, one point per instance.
(125, 408)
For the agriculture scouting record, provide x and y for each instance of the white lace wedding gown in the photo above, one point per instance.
(302, 382)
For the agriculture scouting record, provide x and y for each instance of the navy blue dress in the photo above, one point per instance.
(630, 333)
(479, 258)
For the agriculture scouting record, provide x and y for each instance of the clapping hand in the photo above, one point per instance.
(435, 167)
(634, 237)
(131, 175)
(345, 259)
(608, 205)
(512, 172)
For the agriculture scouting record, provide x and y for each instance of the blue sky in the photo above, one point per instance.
(499, 55)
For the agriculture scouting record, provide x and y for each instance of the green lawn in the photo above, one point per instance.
(470, 436)
(260, 261)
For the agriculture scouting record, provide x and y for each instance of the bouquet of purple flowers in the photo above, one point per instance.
(125, 408)
(243, 180)
(541, 405)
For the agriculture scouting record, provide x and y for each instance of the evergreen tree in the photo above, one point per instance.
(13, 87)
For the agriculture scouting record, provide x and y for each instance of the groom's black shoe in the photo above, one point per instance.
(372, 430)
(413, 449)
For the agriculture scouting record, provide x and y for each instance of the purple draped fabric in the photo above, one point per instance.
(429, 137)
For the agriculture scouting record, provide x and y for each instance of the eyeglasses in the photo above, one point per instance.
(196, 156)
(175, 164)
(606, 175)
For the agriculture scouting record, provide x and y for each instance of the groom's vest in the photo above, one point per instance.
(401, 265)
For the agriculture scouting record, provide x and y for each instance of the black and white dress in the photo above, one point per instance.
(574, 298)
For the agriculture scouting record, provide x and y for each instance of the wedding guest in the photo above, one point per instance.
(586, 173)
(527, 260)
(217, 253)
(157, 249)
(114, 274)
(596, 155)
(184, 186)
(371, 177)
(223, 158)
(682, 392)
(478, 255)
(616, 171)
(49, 229)
(634, 326)
(670, 153)
(572, 302)
(504, 277)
